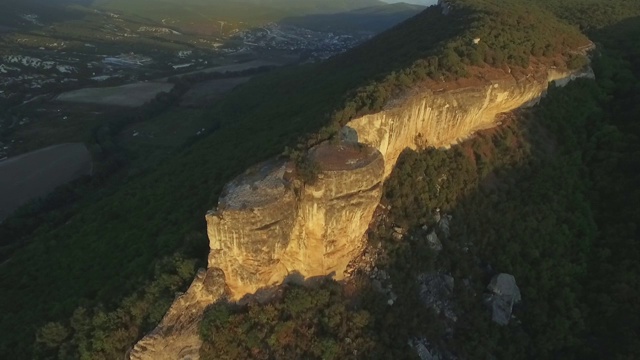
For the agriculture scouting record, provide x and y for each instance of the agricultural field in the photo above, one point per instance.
(254, 64)
(35, 174)
(50, 123)
(203, 93)
(130, 95)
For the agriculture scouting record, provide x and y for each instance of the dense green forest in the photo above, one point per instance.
(93, 284)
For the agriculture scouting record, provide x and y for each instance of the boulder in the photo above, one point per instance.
(444, 224)
(503, 294)
(427, 351)
(433, 241)
(436, 291)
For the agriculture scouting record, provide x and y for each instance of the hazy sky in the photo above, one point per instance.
(419, 2)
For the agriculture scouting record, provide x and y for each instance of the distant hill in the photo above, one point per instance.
(233, 10)
(192, 16)
(414, 2)
(187, 11)
(308, 6)
(373, 19)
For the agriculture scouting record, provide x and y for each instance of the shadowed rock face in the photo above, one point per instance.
(268, 225)
(503, 294)
(176, 337)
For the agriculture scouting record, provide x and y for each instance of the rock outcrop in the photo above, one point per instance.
(440, 118)
(269, 226)
(436, 292)
(177, 335)
(433, 241)
(503, 294)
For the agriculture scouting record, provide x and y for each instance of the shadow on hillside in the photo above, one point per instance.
(268, 293)
(613, 37)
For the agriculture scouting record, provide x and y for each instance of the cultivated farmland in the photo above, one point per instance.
(254, 64)
(130, 95)
(207, 91)
(35, 174)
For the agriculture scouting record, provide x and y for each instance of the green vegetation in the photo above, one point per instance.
(592, 14)
(103, 255)
(305, 323)
(97, 333)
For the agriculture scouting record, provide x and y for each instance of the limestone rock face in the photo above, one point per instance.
(269, 227)
(443, 117)
(251, 227)
(176, 337)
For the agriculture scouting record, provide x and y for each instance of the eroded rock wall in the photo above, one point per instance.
(336, 210)
(251, 227)
(268, 226)
(445, 117)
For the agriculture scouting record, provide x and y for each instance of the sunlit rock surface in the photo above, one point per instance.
(441, 117)
(268, 226)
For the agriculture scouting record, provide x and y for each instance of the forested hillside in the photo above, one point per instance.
(92, 279)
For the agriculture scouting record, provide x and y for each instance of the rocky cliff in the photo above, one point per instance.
(452, 112)
(269, 227)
